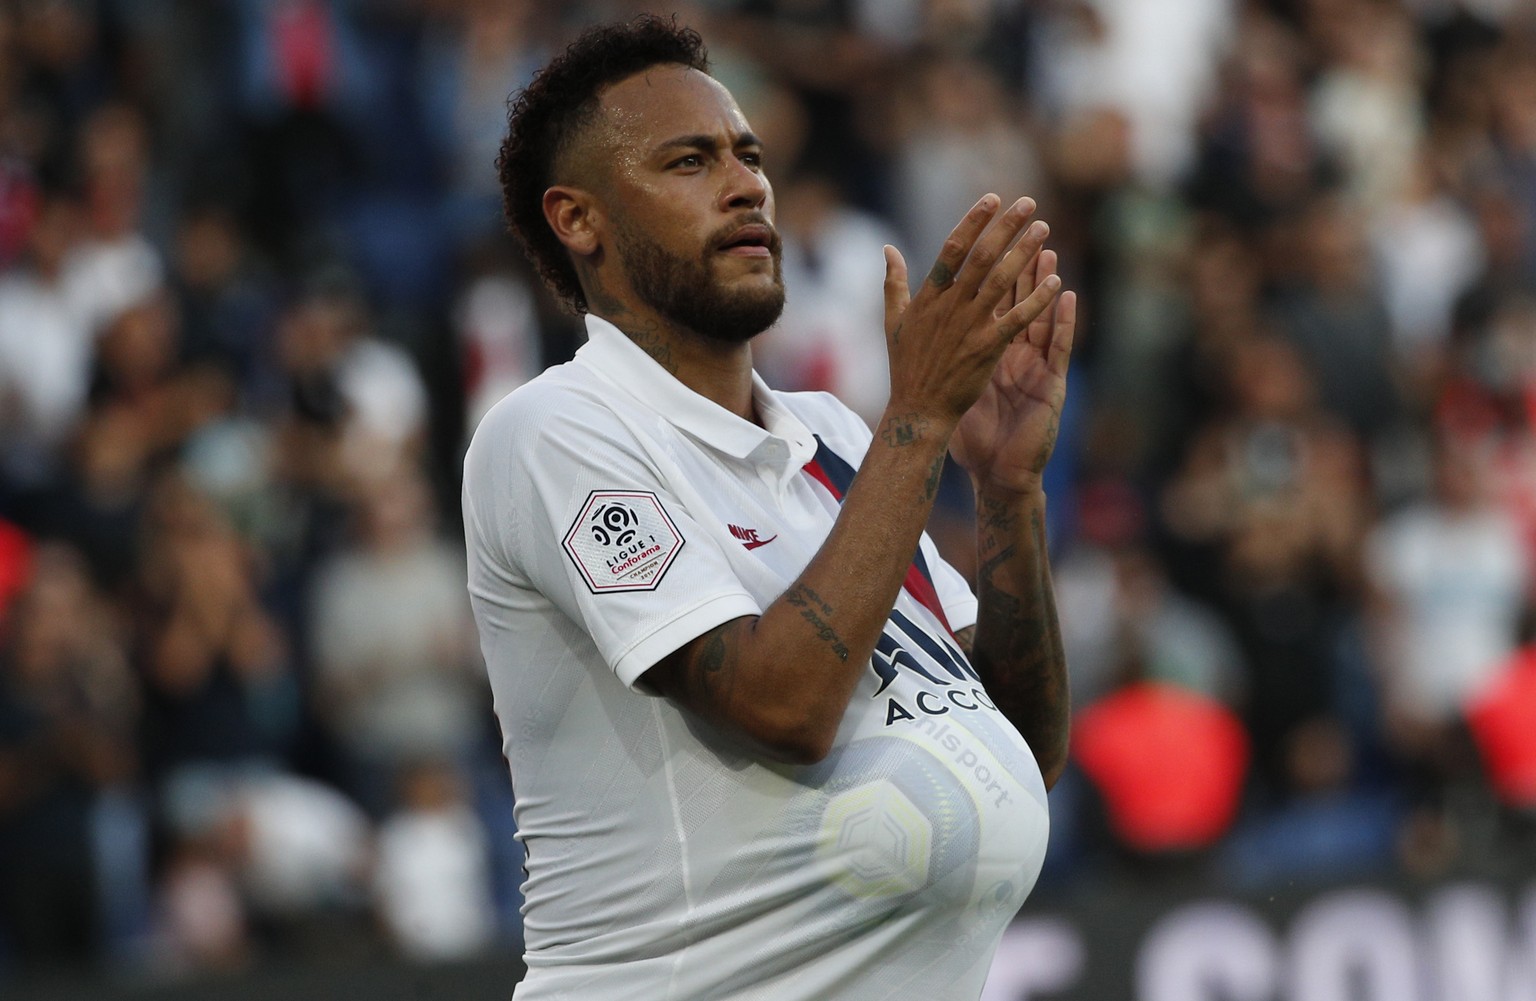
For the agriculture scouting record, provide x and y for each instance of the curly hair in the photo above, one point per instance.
(543, 118)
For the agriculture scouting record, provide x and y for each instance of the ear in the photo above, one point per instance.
(574, 216)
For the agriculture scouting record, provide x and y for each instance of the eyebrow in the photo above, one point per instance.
(707, 142)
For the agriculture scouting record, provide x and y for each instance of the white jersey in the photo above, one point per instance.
(612, 515)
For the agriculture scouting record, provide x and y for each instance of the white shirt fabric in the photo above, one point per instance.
(46, 346)
(612, 515)
(1457, 583)
(432, 882)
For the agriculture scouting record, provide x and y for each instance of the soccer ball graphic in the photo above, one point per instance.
(881, 839)
(895, 822)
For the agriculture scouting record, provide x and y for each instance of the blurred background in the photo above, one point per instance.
(255, 293)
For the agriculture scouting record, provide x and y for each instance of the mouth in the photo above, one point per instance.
(751, 240)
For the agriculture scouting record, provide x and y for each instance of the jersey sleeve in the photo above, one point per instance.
(575, 510)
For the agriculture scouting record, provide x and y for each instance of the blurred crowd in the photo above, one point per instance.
(255, 292)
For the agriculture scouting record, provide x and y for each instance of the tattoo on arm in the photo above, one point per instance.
(704, 673)
(935, 474)
(1018, 647)
(988, 569)
(904, 430)
(816, 612)
(998, 516)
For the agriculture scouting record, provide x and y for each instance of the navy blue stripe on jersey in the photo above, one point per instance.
(837, 476)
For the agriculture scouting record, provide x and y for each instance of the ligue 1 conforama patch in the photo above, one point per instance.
(622, 540)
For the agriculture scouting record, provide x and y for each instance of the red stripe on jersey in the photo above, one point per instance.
(917, 583)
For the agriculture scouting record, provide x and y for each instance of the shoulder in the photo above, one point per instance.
(557, 428)
(561, 403)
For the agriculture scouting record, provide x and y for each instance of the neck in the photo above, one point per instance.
(717, 370)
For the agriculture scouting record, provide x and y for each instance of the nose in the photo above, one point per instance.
(744, 186)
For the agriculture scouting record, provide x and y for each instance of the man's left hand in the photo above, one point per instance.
(1007, 436)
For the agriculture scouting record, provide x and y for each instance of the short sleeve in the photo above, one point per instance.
(582, 515)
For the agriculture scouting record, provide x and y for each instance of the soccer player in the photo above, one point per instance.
(765, 743)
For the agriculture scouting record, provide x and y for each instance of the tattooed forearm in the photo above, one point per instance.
(996, 515)
(904, 430)
(991, 564)
(997, 529)
(816, 612)
(1017, 645)
(935, 474)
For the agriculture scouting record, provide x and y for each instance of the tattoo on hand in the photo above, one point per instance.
(816, 612)
(941, 275)
(904, 430)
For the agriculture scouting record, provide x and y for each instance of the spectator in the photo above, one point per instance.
(1168, 764)
(261, 862)
(960, 136)
(349, 383)
(432, 878)
(69, 711)
(1450, 584)
(46, 346)
(1502, 716)
(396, 678)
(218, 684)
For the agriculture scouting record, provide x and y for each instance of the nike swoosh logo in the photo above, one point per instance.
(758, 542)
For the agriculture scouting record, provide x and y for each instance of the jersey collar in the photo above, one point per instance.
(786, 442)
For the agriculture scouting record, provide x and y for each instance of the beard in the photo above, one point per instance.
(687, 292)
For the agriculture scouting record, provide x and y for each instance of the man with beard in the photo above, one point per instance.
(765, 743)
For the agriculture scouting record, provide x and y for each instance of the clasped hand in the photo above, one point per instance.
(983, 346)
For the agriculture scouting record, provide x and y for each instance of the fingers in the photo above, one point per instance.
(1039, 330)
(988, 271)
(1064, 334)
(1004, 283)
(897, 292)
(1021, 315)
(1020, 291)
(960, 241)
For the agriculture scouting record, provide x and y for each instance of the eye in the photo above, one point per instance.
(753, 159)
(691, 160)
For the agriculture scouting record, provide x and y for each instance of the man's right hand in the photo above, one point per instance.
(945, 341)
